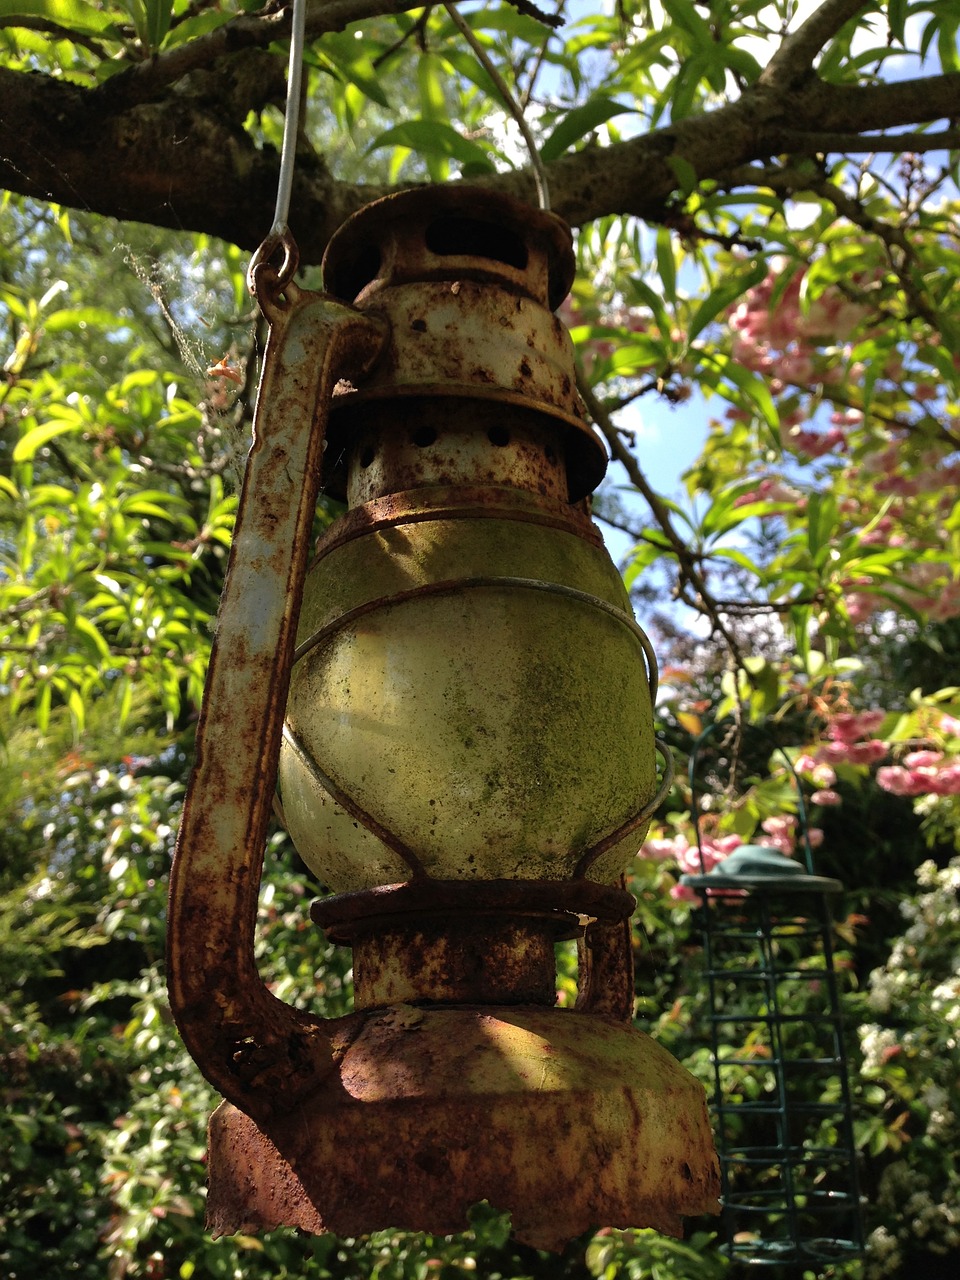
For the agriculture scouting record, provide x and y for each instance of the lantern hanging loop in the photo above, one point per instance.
(268, 283)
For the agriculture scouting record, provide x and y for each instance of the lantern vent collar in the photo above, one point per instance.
(455, 233)
(466, 281)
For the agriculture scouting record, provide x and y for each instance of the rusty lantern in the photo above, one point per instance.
(457, 702)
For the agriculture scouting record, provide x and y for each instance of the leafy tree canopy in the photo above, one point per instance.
(766, 207)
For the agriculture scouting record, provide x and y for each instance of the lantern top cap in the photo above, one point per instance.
(453, 232)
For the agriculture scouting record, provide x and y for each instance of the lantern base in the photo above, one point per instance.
(567, 1120)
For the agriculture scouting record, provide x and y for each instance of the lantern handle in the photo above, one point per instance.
(261, 1054)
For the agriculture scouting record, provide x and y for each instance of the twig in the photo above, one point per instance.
(892, 237)
(688, 568)
(510, 102)
(418, 29)
(538, 61)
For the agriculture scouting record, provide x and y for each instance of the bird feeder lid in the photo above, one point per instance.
(757, 866)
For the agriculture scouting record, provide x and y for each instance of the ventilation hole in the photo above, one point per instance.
(423, 437)
(469, 237)
(367, 455)
(354, 275)
(499, 436)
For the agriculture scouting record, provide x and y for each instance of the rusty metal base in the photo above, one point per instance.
(569, 1121)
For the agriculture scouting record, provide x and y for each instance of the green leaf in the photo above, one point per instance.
(724, 296)
(79, 318)
(199, 25)
(434, 138)
(430, 78)
(44, 700)
(159, 13)
(821, 520)
(685, 15)
(86, 628)
(72, 15)
(736, 557)
(576, 124)
(666, 264)
(27, 446)
(685, 174)
(754, 389)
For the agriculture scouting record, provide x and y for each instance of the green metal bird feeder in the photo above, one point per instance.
(783, 1117)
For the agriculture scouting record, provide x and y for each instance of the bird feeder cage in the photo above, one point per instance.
(456, 702)
(783, 1119)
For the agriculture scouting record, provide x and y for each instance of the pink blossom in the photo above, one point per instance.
(899, 485)
(816, 443)
(771, 489)
(860, 606)
(854, 752)
(901, 782)
(950, 725)
(820, 773)
(847, 418)
(880, 533)
(868, 752)
(797, 368)
(779, 832)
(683, 893)
(782, 842)
(815, 837)
(779, 824)
(848, 726)
(659, 850)
(726, 844)
(922, 759)
(825, 797)
(947, 603)
(948, 781)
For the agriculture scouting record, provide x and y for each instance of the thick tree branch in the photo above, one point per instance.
(247, 31)
(138, 149)
(794, 59)
(822, 143)
(845, 108)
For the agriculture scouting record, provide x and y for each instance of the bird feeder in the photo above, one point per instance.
(456, 703)
(790, 1190)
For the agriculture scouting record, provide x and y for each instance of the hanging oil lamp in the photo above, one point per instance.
(457, 704)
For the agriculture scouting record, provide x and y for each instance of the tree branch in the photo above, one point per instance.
(820, 143)
(144, 80)
(794, 60)
(847, 108)
(135, 148)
